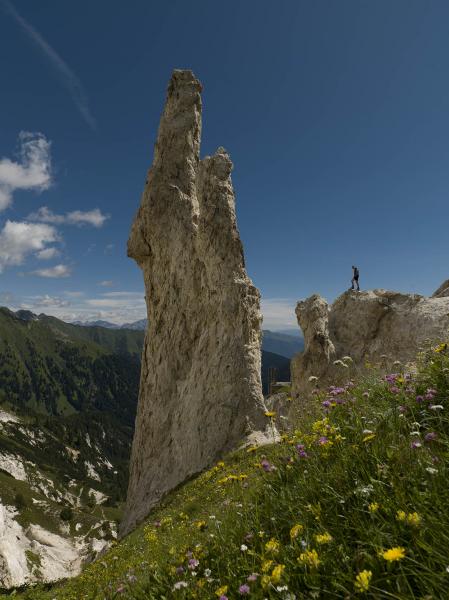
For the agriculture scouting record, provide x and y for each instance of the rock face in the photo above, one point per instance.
(442, 291)
(200, 390)
(378, 326)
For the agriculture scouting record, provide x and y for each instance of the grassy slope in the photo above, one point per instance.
(304, 518)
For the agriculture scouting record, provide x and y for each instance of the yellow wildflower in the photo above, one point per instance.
(277, 573)
(369, 437)
(221, 591)
(270, 413)
(440, 348)
(362, 581)
(373, 507)
(393, 554)
(414, 519)
(251, 449)
(323, 538)
(151, 536)
(272, 546)
(309, 558)
(266, 566)
(265, 581)
(411, 518)
(200, 525)
(295, 531)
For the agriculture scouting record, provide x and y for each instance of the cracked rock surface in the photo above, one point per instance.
(200, 390)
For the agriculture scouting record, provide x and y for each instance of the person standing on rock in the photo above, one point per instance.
(355, 278)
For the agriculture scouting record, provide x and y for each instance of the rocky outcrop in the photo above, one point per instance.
(442, 291)
(200, 389)
(377, 326)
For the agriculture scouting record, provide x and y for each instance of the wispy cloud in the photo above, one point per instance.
(77, 217)
(33, 171)
(55, 272)
(65, 73)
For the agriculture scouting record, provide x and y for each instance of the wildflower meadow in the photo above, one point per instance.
(352, 503)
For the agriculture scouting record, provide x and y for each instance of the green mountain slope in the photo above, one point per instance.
(51, 367)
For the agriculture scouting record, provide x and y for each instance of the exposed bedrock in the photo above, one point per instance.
(200, 391)
(377, 326)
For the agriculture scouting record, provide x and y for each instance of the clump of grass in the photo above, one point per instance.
(353, 503)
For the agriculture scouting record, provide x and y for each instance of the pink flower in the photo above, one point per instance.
(244, 590)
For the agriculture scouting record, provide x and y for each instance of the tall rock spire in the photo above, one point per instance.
(200, 389)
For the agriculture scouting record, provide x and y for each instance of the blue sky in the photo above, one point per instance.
(335, 114)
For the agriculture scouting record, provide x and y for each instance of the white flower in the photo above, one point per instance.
(180, 584)
(313, 378)
(282, 588)
(431, 470)
(415, 433)
(436, 407)
(243, 547)
(367, 432)
(207, 572)
(347, 359)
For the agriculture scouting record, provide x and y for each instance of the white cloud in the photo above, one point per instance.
(48, 301)
(48, 253)
(106, 283)
(279, 313)
(77, 217)
(18, 240)
(55, 272)
(67, 77)
(33, 171)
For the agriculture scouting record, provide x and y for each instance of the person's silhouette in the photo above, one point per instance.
(355, 278)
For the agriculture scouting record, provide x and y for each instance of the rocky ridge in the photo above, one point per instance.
(200, 383)
(377, 326)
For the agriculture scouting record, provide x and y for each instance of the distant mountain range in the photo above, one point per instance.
(278, 342)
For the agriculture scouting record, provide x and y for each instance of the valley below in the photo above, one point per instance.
(68, 397)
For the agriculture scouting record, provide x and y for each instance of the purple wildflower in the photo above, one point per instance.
(193, 563)
(415, 444)
(179, 570)
(429, 396)
(402, 409)
(323, 440)
(244, 590)
(223, 597)
(326, 404)
(419, 398)
(394, 389)
(429, 437)
(253, 577)
(301, 450)
(391, 378)
(266, 465)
